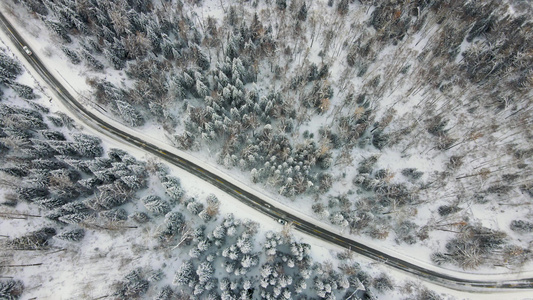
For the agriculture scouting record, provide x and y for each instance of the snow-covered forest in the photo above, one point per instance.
(82, 220)
(407, 123)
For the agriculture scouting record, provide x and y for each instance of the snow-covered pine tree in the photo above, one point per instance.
(281, 4)
(167, 47)
(22, 90)
(132, 286)
(173, 188)
(117, 62)
(91, 61)
(75, 218)
(53, 135)
(11, 67)
(156, 205)
(110, 196)
(202, 60)
(140, 217)
(59, 29)
(74, 235)
(166, 293)
(219, 232)
(201, 89)
(154, 34)
(174, 221)
(34, 240)
(133, 182)
(114, 215)
(204, 271)
(88, 145)
(195, 207)
(11, 289)
(185, 276)
(31, 193)
(129, 114)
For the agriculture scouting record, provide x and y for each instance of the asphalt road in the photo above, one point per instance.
(255, 202)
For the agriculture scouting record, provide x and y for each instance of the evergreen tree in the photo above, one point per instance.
(204, 271)
(31, 193)
(59, 30)
(202, 60)
(205, 216)
(11, 289)
(519, 226)
(166, 293)
(342, 7)
(201, 89)
(132, 182)
(185, 275)
(173, 223)
(140, 217)
(73, 207)
(75, 218)
(88, 146)
(75, 235)
(10, 65)
(35, 240)
(105, 176)
(173, 188)
(110, 196)
(66, 120)
(15, 171)
(129, 114)
(156, 205)
(53, 135)
(167, 47)
(116, 154)
(302, 13)
(51, 203)
(154, 34)
(132, 287)
(219, 232)
(115, 214)
(35, 6)
(23, 91)
(195, 207)
(81, 26)
(6, 76)
(91, 61)
(117, 62)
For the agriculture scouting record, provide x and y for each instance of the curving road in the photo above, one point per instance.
(254, 201)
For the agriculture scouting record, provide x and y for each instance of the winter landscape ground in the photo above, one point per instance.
(404, 125)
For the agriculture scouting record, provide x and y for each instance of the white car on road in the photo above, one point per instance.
(27, 50)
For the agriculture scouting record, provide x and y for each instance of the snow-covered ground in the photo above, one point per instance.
(75, 79)
(149, 133)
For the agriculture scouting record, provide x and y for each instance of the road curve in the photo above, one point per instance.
(454, 282)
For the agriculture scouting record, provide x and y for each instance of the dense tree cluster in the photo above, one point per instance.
(475, 246)
(134, 285)
(47, 163)
(232, 112)
(286, 270)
